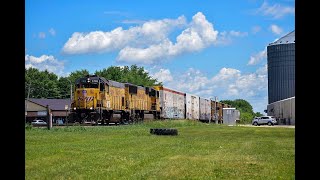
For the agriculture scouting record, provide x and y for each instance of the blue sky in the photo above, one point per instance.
(207, 48)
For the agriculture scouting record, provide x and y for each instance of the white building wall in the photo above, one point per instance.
(283, 111)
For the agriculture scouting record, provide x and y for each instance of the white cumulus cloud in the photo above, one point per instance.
(225, 74)
(238, 33)
(147, 55)
(45, 62)
(258, 57)
(262, 70)
(276, 29)
(163, 75)
(225, 37)
(150, 32)
(276, 11)
(198, 35)
(150, 42)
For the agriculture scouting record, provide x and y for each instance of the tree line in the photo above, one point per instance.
(44, 84)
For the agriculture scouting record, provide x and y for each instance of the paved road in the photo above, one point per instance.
(275, 126)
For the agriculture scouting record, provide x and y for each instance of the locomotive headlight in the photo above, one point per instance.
(74, 108)
(91, 108)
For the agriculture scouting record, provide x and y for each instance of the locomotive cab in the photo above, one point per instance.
(88, 95)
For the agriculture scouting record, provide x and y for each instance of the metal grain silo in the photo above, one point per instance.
(281, 68)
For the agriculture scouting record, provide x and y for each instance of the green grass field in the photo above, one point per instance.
(200, 151)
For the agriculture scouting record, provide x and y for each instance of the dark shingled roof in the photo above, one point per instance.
(54, 104)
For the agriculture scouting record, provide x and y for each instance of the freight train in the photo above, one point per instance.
(97, 100)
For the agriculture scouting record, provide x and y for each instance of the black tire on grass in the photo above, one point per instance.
(164, 131)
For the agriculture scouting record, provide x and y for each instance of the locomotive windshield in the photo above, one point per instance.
(87, 83)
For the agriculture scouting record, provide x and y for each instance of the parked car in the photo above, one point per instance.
(38, 122)
(59, 122)
(269, 120)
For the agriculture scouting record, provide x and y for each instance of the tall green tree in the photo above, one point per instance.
(240, 104)
(42, 84)
(134, 74)
(77, 74)
(114, 73)
(258, 114)
(64, 85)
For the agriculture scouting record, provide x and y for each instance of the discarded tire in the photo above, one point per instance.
(164, 131)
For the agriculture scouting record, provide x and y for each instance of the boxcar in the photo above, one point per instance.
(192, 107)
(172, 103)
(205, 109)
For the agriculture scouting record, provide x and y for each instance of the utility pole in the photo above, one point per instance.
(26, 106)
(215, 109)
(70, 101)
(70, 90)
(211, 111)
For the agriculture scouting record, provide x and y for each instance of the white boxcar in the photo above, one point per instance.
(172, 104)
(283, 111)
(230, 116)
(192, 107)
(205, 109)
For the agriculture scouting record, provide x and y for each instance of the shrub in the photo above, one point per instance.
(28, 126)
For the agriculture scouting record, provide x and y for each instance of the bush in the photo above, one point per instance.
(246, 118)
(28, 126)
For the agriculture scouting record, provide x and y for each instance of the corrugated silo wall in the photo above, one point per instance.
(281, 71)
(283, 111)
(172, 104)
(205, 109)
(192, 107)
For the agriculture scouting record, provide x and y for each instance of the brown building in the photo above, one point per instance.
(37, 109)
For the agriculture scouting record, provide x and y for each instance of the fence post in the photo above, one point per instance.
(49, 118)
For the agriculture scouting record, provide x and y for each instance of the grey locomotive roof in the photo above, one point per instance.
(92, 78)
(115, 84)
(139, 87)
(109, 82)
(289, 38)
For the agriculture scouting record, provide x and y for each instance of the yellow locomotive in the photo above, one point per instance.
(98, 100)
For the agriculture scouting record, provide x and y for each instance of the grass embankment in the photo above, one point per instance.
(200, 151)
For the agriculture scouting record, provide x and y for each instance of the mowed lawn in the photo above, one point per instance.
(199, 151)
